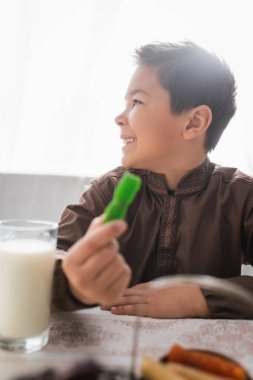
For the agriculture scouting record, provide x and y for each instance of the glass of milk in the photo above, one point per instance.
(27, 256)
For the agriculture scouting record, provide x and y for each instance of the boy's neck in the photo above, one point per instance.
(174, 173)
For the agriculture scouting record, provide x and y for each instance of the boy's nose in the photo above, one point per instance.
(120, 120)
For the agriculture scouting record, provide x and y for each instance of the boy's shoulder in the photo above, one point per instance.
(114, 175)
(231, 175)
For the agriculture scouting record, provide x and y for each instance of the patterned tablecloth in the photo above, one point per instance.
(109, 340)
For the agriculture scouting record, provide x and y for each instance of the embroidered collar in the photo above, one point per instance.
(192, 182)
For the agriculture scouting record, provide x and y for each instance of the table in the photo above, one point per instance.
(108, 339)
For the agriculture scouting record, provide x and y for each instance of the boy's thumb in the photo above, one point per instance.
(98, 221)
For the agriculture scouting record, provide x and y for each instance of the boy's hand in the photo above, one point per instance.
(177, 301)
(96, 272)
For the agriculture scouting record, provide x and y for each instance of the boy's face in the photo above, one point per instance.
(152, 135)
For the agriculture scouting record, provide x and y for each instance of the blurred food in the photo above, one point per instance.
(207, 361)
(154, 370)
(86, 369)
(188, 364)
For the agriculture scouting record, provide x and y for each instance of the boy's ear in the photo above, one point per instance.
(198, 122)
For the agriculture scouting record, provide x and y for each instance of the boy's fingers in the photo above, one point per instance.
(140, 310)
(96, 239)
(101, 280)
(138, 290)
(113, 290)
(87, 274)
(133, 300)
(103, 234)
(98, 221)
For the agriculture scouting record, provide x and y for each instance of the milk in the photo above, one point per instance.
(26, 271)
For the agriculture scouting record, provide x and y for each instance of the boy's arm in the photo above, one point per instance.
(74, 223)
(177, 301)
(183, 301)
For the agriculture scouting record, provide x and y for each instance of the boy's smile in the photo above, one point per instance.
(151, 133)
(128, 140)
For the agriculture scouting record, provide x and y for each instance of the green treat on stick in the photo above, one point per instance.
(123, 196)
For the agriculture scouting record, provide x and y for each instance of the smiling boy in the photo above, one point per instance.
(191, 216)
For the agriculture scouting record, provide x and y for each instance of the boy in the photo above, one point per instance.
(190, 216)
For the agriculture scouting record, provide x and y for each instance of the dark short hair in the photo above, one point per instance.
(193, 76)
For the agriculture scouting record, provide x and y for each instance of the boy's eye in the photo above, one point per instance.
(136, 101)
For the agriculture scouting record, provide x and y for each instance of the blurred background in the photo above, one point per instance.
(65, 66)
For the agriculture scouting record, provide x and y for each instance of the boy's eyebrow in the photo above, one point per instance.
(135, 91)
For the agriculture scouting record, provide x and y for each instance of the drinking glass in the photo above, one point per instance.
(26, 272)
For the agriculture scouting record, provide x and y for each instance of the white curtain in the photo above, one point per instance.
(65, 65)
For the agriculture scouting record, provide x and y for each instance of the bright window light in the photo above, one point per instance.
(65, 66)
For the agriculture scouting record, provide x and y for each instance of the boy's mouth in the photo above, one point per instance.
(128, 140)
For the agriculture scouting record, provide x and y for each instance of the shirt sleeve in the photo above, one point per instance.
(75, 219)
(73, 225)
(223, 305)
